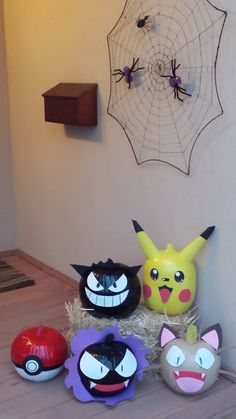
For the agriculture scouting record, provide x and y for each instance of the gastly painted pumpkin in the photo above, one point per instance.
(169, 275)
(109, 289)
(107, 368)
(105, 365)
(190, 366)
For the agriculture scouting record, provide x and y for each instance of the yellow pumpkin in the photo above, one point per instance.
(169, 284)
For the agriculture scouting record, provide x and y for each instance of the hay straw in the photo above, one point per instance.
(143, 324)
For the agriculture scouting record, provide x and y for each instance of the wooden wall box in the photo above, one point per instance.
(71, 104)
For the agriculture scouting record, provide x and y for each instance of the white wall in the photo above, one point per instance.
(7, 219)
(77, 189)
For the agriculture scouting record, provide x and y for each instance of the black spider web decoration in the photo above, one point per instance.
(158, 126)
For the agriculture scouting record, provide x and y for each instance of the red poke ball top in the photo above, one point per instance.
(38, 353)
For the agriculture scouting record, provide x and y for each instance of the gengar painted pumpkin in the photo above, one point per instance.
(109, 289)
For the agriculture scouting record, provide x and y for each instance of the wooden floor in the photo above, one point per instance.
(19, 398)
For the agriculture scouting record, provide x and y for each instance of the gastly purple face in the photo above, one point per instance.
(105, 365)
(107, 368)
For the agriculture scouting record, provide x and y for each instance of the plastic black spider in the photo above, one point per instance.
(175, 81)
(144, 22)
(127, 72)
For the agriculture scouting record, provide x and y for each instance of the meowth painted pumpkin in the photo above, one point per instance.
(109, 289)
(190, 366)
(169, 275)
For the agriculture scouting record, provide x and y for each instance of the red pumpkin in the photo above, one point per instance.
(38, 353)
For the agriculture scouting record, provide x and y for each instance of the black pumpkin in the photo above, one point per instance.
(109, 289)
(107, 368)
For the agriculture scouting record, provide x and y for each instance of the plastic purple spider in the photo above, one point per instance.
(175, 81)
(127, 72)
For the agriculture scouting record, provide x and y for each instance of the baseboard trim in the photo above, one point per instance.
(6, 253)
(48, 269)
(228, 373)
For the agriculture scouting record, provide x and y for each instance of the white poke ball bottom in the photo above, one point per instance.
(42, 376)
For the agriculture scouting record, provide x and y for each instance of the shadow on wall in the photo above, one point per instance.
(91, 133)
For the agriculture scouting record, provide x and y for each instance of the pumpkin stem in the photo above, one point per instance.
(108, 340)
(191, 334)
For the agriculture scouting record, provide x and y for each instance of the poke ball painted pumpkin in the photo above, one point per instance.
(109, 289)
(39, 353)
(190, 366)
(170, 275)
(105, 365)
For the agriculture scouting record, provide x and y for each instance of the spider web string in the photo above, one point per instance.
(172, 20)
(187, 43)
(153, 96)
(158, 126)
(208, 101)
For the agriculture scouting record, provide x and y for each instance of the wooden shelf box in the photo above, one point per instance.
(71, 104)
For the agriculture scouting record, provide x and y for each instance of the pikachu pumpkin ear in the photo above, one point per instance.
(148, 247)
(166, 335)
(213, 336)
(191, 250)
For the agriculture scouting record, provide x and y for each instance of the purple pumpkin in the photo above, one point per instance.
(105, 365)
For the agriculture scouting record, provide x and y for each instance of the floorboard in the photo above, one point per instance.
(22, 399)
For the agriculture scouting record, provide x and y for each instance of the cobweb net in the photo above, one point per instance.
(157, 125)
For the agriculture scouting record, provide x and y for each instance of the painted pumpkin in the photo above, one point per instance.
(107, 368)
(39, 353)
(170, 276)
(190, 366)
(109, 289)
(105, 365)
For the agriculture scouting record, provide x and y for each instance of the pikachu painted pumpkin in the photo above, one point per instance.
(190, 365)
(169, 284)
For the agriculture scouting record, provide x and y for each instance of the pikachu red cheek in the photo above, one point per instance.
(147, 291)
(184, 296)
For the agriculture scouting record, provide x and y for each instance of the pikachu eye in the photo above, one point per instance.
(154, 274)
(175, 356)
(179, 276)
(204, 358)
